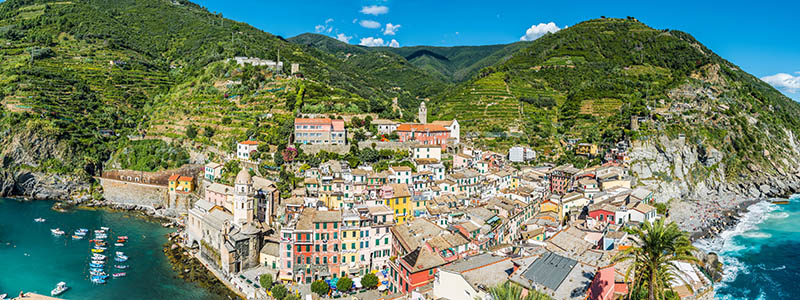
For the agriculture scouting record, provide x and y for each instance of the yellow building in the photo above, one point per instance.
(552, 206)
(398, 198)
(351, 232)
(586, 149)
(179, 183)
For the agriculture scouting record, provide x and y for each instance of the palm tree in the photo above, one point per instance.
(657, 248)
(512, 291)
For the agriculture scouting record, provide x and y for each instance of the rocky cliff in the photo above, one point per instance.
(31, 166)
(691, 176)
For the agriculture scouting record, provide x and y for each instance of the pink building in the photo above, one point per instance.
(220, 195)
(426, 134)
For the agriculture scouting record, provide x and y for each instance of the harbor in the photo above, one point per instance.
(96, 254)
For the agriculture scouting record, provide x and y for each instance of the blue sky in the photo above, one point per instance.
(761, 37)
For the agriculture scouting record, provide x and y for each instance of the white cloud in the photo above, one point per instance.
(369, 24)
(324, 27)
(355, 20)
(537, 31)
(390, 29)
(374, 10)
(378, 42)
(344, 38)
(784, 82)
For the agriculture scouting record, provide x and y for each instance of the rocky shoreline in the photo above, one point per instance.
(191, 270)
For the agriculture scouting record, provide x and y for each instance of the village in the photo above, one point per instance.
(447, 221)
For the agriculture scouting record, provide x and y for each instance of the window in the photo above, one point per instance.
(316, 225)
(352, 258)
(325, 247)
(299, 260)
(325, 225)
(316, 248)
(325, 260)
(377, 242)
(316, 236)
(288, 264)
(335, 226)
(335, 235)
(334, 261)
(386, 241)
(344, 246)
(316, 260)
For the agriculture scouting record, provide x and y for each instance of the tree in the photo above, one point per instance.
(208, 131)
(191, 131)
(266, 281)
(657, 247)
(512, 291)
(369, 281)
(344, 284)
(278, 291)
(320, 287)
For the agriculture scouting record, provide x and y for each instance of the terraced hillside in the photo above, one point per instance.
(605, 80)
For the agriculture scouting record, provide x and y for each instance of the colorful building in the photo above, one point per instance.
(319, 131)
(426, 134)
(397, 197)
(178, 183)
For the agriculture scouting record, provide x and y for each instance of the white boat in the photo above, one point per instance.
(105, 228)
(61, 287)
(120, 253)
(96, 256)
(119, 244)
(57, 231)
(37, 220)
(3, 296)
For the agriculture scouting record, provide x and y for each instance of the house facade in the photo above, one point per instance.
(323, 131)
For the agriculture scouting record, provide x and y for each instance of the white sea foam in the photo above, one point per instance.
(779, 215)
(727, 248)
(757, 235)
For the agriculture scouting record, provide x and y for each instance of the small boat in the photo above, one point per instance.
(98, 262)
(120, 274)
(77, 237)
(94, 265)
(120, 259)
(83, 230)
(119, 244)
(37, 220)
(3, 296)
(122, 237)
(105, 228)
(98, 280)
(100, 248)
(122, 256)
(121, 267)
(98, 256)
(61, 287)
(57, 231)
(780, 201)
(78, 232)
(97, 251)
(120, 253)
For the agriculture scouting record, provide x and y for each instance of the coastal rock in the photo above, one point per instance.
(765, 188)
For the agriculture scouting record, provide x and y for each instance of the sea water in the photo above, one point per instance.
(34, 260)
(761, 254)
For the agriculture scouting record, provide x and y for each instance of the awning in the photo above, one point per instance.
(357, 282)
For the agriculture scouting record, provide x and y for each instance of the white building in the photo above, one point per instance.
(427, 151)
(245, 149)
(472, 277)
(385, 126)
(453, 127)
(521, 154)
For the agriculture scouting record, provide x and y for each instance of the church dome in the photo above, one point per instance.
(244, 177)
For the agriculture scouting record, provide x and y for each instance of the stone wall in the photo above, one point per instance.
(156, 178)
(129, 193)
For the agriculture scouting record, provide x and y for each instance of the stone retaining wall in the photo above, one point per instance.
(129, 193)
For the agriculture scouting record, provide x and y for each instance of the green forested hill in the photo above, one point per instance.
(73, 71)
(587, 82)
(451, 64)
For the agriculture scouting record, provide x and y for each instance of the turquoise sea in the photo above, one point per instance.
(761, 254)
(34, 260)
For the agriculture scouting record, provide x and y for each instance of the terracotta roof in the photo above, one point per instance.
(174, 177)
(602, 287)
(420, 127)
(400, 190)
(249, 143)
(315, 121)
(338, 125)
(400, 168)
(185, 178)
